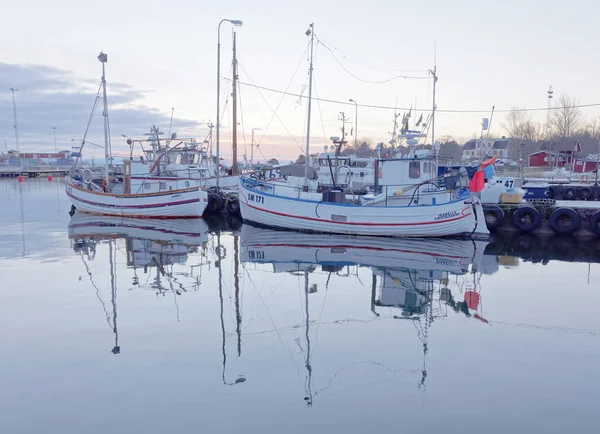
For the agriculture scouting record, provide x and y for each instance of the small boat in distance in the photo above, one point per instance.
(128, 195)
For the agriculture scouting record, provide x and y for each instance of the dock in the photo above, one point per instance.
(32, 171)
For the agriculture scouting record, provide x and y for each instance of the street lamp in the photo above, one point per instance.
(235, 23)
(355, 123)
(18, 146)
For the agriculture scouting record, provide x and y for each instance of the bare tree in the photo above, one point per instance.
(519, 125)
(592, 127)
(566, 118)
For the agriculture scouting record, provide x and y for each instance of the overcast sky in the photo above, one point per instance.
(163, 54)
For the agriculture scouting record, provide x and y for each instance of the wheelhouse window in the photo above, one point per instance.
(414, 169)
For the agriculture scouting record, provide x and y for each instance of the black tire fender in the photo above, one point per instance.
(215, 203)
(595, 223)
(586, 193)
(526, 218)
(569, 193)
(565, 221)
(494, 217)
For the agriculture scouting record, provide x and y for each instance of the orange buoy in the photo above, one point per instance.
(50, 178)
(20, 178)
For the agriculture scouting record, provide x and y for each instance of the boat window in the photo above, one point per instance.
(414, 169)
(196, 158)
(162, 185)
(146, 186)
(178, 159)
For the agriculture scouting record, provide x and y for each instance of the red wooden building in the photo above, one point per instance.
(583, 165)
(543, 159)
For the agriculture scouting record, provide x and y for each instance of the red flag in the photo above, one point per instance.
(488, 162)
(477, 182)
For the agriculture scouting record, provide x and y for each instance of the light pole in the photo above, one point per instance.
(235, 23)
(355, 123)
(54, 132)
(15, 124)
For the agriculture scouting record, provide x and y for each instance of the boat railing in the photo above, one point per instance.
(164, 184)
(384, 194)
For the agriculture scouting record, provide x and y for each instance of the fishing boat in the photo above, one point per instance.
(406, 204)
(138, 192)
(272, 246)
(187, 232)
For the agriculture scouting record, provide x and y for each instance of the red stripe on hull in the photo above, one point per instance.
(353, 223)
(183, 202)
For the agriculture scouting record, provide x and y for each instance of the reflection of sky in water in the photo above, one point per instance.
(531, 367)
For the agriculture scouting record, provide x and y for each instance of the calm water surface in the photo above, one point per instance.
(135, 327)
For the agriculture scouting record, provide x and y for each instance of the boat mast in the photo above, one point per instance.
(103, 58)
(310, 32)
(234, 168)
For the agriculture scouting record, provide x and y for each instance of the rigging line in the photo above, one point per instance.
(87, 269)
(274, 326)
(427, 110)
(385, 69)
(274, 112)
(369, 81)
(281, 100)
(319, 105)
(287, 87)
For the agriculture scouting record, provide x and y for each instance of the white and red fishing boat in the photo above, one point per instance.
(128, 195)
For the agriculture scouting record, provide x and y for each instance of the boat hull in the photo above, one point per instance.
(442, 254)
(459, 218)
(184, 203)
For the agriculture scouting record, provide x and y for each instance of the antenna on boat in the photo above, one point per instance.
(113, 286)
(171, 122)
(309, 398)
(435, 79)
(103, 58)
(309, 32)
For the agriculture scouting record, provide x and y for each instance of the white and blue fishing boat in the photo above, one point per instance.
(406, 202)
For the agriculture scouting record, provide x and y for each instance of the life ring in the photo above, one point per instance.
(569, 193)
(586, 193)
(348, 175)
(221, 251)
(551, 192)
(564, 221)
(595, 223)
(215, 202)
(233, 204)
(526, 218)
(87, 176)
(494, 217)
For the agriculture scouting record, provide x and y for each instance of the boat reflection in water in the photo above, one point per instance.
(149, 244)
(408, 275)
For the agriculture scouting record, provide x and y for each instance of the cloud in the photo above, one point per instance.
(50, 97)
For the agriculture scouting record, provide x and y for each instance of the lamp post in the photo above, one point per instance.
(54, 132)
(18, 146)
(235, 23)
(355, 123)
